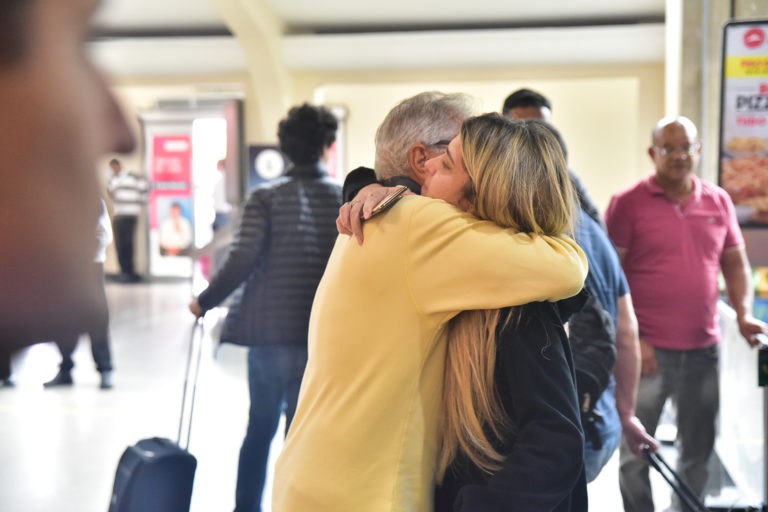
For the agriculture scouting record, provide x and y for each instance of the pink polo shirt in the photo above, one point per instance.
(672, 259)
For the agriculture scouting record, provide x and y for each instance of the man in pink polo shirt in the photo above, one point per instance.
(674, 234)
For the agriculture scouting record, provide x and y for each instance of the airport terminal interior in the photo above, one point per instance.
(208, 80)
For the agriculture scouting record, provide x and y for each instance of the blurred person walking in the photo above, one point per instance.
(100, 349)
(57, 116)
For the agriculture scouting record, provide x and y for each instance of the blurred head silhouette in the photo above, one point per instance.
(57, 117)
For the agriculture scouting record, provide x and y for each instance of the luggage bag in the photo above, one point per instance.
(157, 474)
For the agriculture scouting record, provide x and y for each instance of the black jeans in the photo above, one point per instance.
(124, 227)
(5, 361)
(102, 355)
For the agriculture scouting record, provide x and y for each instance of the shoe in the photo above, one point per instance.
(128, 278)
(61, 379)
(106, 380)
(7, 383)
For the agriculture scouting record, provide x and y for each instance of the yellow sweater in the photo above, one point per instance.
(364, 437)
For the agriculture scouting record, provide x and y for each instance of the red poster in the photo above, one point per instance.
(171, 171)
(172, 159)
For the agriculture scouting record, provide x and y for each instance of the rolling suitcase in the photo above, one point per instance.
(688, 498)
(157, 474)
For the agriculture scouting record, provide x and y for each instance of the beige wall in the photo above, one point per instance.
(605, 113)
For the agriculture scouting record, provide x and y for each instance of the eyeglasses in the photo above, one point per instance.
(664, 151)
(443, 142)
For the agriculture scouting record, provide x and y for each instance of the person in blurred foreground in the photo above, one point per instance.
(57, 116)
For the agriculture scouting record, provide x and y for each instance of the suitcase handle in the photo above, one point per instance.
(688, 497)
(188, 398)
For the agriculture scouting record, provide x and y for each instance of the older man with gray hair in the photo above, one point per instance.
(417, 129)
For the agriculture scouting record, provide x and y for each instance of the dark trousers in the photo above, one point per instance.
(274, 378)
(7, 350)
(99, 335)
(691, 378)
(5, 361)
(102, 355)
(124, 227)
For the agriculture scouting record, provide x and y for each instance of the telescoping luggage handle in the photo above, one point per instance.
(686, 495)
(195, 354)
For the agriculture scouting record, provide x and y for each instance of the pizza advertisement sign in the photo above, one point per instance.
(744, 120)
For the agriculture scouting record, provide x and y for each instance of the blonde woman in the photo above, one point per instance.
(511, 437)
(365, 432)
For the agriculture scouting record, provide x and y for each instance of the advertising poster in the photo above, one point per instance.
(175, 232)
(744, 120)
(171, 219)
(171, 172)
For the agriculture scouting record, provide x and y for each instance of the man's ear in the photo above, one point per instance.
(417, 158)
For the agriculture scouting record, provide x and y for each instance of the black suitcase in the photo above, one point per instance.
(157, 474)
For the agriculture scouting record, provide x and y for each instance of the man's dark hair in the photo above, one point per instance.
(524, 98)
(560, 140)
(114, 161)
(14, 30)
(305, 132)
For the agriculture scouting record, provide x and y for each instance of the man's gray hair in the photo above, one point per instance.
(427, 118)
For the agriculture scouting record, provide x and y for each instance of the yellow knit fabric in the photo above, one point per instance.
(364, 437)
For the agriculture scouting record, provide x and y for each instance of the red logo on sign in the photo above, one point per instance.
(754, 37)
(763, 89)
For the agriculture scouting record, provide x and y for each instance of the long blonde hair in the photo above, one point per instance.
(519, 180)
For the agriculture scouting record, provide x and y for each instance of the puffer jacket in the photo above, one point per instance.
(285, 236)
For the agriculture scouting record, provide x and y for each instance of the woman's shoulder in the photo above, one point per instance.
(532, 326)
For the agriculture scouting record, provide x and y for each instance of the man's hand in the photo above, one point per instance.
(648, 363)
(636, 437)
(196, 309)
(354, 213)
(750, 327)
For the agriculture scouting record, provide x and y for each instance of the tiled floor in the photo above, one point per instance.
(59, 448)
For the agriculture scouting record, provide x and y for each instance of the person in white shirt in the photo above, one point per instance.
(221, 206)
(128, 192)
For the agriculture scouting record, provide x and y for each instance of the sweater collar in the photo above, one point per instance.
(403, 180)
